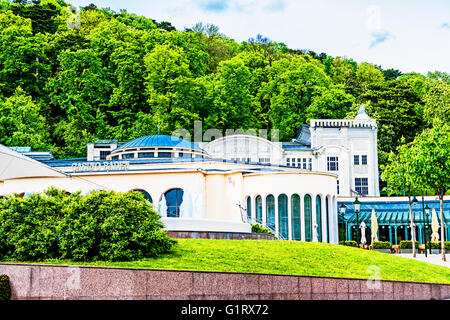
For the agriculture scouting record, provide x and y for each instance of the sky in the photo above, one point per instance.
(408, 35)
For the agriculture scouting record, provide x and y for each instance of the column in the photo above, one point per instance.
(313, 218)
(302, 218)
(395, 230)
(390, 234)
(289, 212)
(276, 216)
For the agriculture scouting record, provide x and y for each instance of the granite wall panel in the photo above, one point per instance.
(48, 282)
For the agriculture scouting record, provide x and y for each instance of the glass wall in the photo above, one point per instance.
(308, 218)
(283, 226)
(295, 217)
(319, 218)
(270, 211)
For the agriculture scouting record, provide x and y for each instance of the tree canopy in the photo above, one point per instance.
(85, 74)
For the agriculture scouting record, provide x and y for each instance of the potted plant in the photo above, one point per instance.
(406, 246)
(382, 246)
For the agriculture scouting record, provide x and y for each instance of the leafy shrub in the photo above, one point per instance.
(349, 243)
(28, 225)
(257, 228)
(5, 289)
(407, 244)
(102, 225)
(381, 245)
(437, 245)
(132, 229)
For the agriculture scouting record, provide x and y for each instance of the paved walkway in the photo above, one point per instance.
(432, 258)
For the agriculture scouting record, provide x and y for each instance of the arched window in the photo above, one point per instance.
(146, 195)
(249, 208)
(283, 216)
(295, 217)
(308, 218)
(270, 211)
(327, 211)
(319, 218)
(258, 209)
(174, 198)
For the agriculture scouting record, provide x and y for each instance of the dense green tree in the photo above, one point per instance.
(80, 88)
(333, 103)
(21, 122)
(437, 101)
(293, 84)
(402, 178)
(22, 57)
(231, 97)
(398, 111)
(432, 164)
(367, 74)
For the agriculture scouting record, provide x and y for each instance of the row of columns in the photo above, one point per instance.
(332, 226)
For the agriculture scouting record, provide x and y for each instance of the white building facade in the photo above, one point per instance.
(347, 148)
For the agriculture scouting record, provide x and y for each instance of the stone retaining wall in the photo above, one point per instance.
(81, 283)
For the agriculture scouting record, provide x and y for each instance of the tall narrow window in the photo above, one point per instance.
(308, 218)
(258, 209)
(295, 217)
(333, 163)
(337, 187)
(283, 216)
(270, 211)
(356, 160)
(249, 208)
(319, 218)
(362, 186)
(363, 159)
(174, 198)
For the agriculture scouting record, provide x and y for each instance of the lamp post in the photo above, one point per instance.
(357, 208)
(342, 209)
(427, 214)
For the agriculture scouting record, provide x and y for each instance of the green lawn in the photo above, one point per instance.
(286, 257)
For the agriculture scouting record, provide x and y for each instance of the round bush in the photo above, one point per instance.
(28, 225)
(112, 226)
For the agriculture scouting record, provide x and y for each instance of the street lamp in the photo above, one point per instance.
(342, 209)
(357, 208)
(427, 213)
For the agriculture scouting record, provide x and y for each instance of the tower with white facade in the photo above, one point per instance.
(348, 148)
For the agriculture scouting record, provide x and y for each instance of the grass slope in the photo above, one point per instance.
(287, 257)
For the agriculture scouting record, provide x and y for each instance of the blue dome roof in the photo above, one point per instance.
(159, 141)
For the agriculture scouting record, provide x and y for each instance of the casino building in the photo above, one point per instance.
(192, 190)
(293, 188)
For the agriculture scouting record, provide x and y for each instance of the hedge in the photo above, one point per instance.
(5, 289)
(257, 228)
(407, 244)
(437, 245)
(103, 225)
(381, 245)
(350, 243)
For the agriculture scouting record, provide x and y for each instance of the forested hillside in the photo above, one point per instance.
(116, 75)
